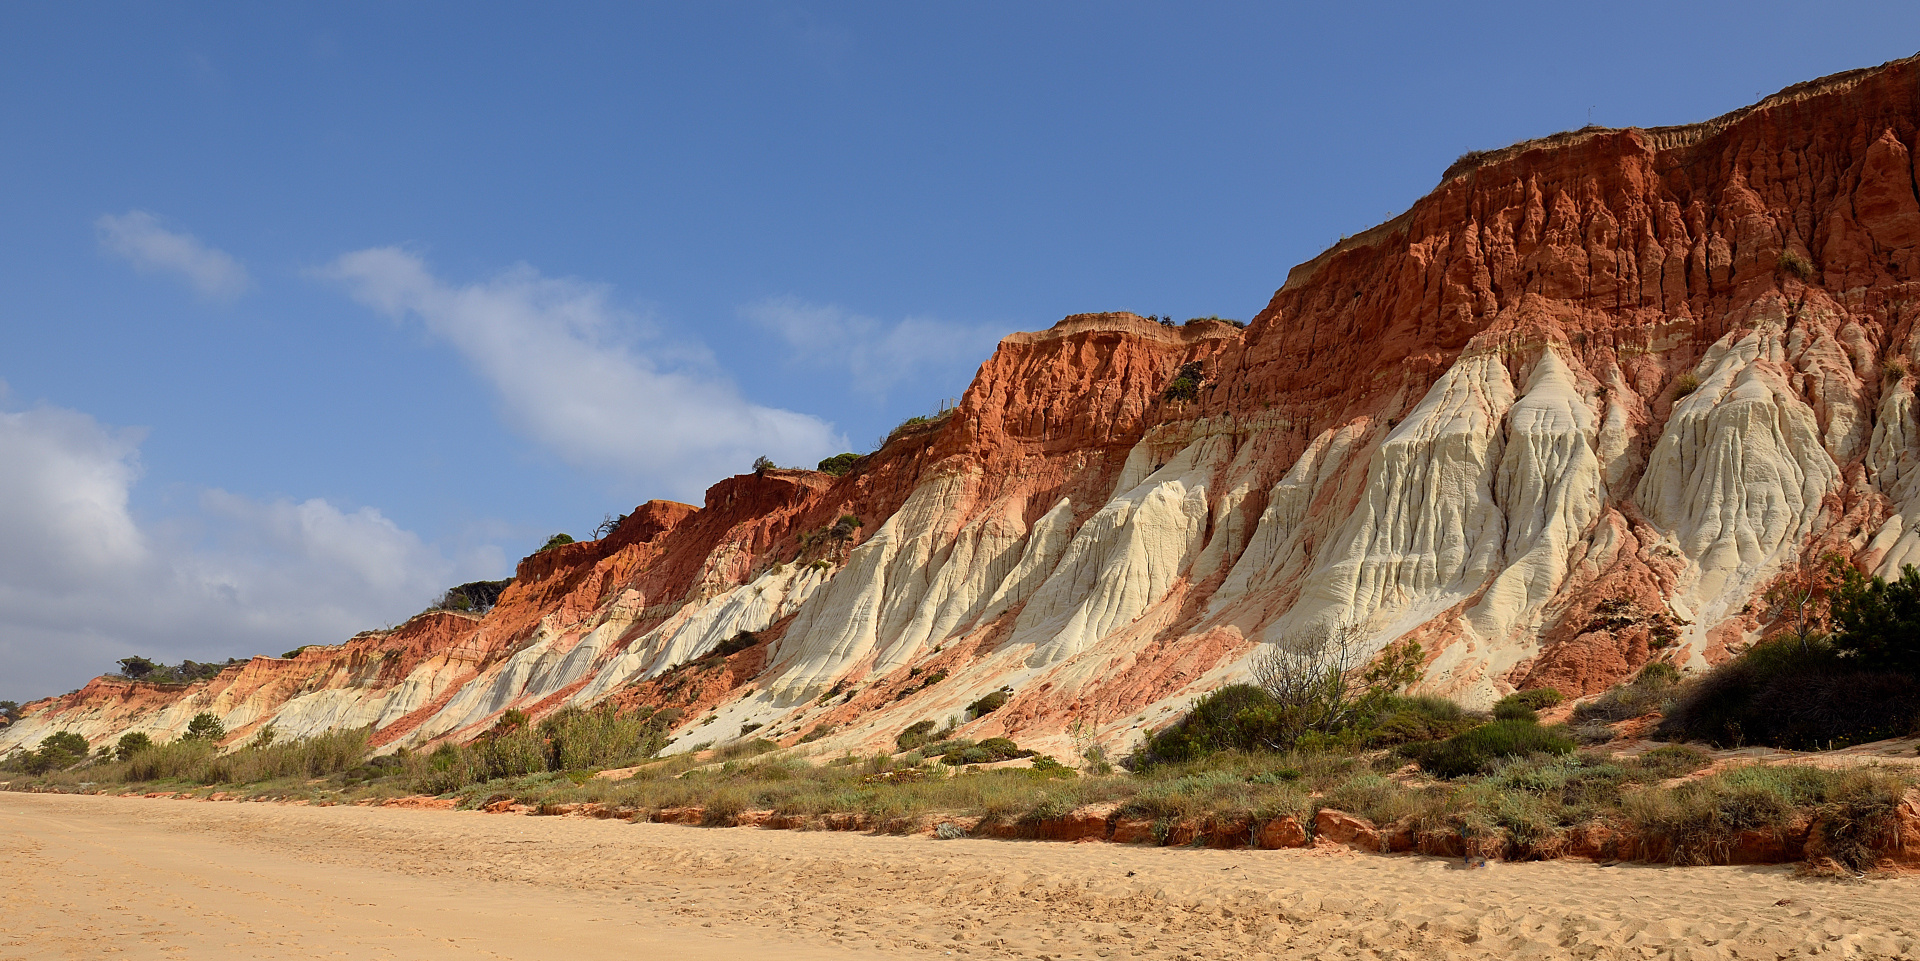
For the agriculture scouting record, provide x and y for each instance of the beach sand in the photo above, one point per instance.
(88, 877)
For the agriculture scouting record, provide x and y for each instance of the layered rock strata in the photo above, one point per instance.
(1575, 410)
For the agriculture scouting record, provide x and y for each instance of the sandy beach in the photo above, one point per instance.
(96, 876)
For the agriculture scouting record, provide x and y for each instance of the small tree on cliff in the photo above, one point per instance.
(608, 525)
(205, 727)
(10, 710)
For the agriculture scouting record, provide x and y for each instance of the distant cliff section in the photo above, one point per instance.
(1577, 409)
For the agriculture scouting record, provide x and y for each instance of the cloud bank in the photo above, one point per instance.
(137, 236)
(553, 351)
(876, 355)
(83, 582)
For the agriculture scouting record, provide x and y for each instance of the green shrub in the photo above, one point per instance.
(475, 596)
(1510, 709)
(1539, 699)
(513, 753)
(64, 742)
(57, 751)
(1319, 690)
(1785, 693)
(264, 737)
(1877, 623)
(448, 768)
(1475, 751)
(319, 755)
(1052, 768)
(1238, 717)
(733, 645)
(1404, 720)
(1685, 384)
(987, 751)
(839, 464)
(988, 704)
(916, 735)
(579, 739)
(130, 744)
(557, 540)
(1185, 385)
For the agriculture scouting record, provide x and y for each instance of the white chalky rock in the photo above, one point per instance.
(1124, 558)
(1548, 489)
(1892, 466)
(861, 616)
(694, 631)
(1737, 477)
(1286, 510)
(1427, 531)
(1038, 557)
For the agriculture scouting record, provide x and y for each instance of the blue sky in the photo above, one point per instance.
(308, 311)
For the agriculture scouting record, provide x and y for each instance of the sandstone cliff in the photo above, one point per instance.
(1576, 409)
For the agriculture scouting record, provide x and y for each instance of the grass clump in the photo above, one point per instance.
(1685, 384)
(989, 703)
(1796, 264)
(1646, 693)
(916, 735)
(1700, 821)
(1508, 709)
(986, 752)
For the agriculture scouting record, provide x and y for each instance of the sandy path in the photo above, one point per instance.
(88, 876)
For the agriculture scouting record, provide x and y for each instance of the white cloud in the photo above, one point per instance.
(552, 349)
(877, 356)
(83, 582)
(138, 236)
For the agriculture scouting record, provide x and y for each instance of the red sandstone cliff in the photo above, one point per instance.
(1574, 410)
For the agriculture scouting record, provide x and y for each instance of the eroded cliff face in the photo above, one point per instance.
(1575, 410)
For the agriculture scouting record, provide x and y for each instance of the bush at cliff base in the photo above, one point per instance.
(1802, 696)
(59, 750)
(1817, 693)
(1238, 717)
(1478, 750)
(1245, 718)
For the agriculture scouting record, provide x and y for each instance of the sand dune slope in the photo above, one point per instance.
(88, 877)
